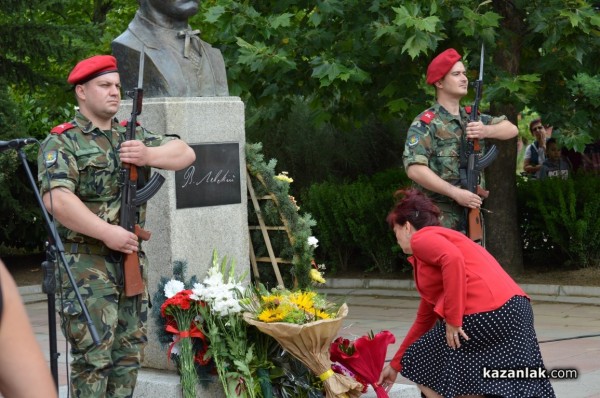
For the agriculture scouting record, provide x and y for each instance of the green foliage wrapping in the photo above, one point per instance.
(562, 216)
(351, 218)
(298, 250)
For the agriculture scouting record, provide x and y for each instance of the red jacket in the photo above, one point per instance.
(455, 277)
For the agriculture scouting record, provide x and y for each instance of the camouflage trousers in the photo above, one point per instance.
(110, 369)
(453, 216)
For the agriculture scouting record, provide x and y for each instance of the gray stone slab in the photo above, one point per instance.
(190, 234)
(397, 391)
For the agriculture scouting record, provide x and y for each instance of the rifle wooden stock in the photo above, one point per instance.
(132, 273)
(475, 229)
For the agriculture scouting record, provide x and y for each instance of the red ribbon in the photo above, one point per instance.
(380, 391)
(239, 388)
(193, 332)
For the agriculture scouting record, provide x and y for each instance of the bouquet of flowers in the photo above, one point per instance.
(229, 348)
(181, 311)
(365, 357)
(304, 324)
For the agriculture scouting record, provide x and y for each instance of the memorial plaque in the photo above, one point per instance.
(212, 180)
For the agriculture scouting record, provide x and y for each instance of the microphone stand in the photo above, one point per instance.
(55, 249)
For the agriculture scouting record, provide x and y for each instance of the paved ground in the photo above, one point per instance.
(393, 310)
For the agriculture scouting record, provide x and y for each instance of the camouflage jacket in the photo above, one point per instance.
(85, 160)
(434, 139)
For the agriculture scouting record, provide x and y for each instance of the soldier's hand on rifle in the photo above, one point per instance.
(466, 198)
(475, 130)
(119, 239)
(134, 152)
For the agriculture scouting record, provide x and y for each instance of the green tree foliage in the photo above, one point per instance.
(350, 59)
(351, 63)
(41, 40)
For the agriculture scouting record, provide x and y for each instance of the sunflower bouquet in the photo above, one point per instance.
(304, 323)
(297, 307)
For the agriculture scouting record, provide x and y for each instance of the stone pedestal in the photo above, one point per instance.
(192, 233)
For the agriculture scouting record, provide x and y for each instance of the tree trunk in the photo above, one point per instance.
(101, 9)
(503, 238)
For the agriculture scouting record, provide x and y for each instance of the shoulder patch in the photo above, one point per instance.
(124, 123)
(412, 140)
(50, 158)
(427, 117)
(61, 128)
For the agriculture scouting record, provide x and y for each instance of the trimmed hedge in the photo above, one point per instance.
(560, 221)
(351, 223)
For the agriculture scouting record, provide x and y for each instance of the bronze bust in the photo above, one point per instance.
(177, 62)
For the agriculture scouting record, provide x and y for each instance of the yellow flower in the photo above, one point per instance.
(303, 300)
(271, 301)
(298, 307)
(316, 276)
(284, 177)
(271, 315)
(322, 315)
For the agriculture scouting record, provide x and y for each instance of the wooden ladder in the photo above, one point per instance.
(272, 258)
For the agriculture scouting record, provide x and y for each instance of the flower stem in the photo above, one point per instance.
(187, 370)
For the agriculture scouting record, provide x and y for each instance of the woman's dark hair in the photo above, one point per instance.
(415, 207)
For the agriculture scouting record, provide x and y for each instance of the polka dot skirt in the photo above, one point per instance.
(500, 339)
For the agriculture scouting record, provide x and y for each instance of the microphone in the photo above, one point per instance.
(17, 143)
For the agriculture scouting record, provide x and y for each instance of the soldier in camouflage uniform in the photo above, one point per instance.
(80, 182)
(433, 144)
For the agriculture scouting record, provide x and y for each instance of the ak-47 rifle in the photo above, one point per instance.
(131, 197)
(476, 162)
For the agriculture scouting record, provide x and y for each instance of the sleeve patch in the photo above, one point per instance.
(413, 140)
(61, 128)
(427, 117)
(50, 158)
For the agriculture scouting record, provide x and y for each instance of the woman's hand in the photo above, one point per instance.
(453, 334)
(388, 377)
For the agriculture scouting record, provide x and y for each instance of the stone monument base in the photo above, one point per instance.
(163, 384)
(185, 225)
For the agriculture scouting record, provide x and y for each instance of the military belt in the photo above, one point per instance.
(84, 248)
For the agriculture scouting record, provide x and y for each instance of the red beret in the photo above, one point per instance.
(441, 65)
(92, 67)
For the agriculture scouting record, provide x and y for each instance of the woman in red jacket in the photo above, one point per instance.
(485, 319)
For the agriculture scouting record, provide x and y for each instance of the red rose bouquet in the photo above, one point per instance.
(365, 357)
(181, 311)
